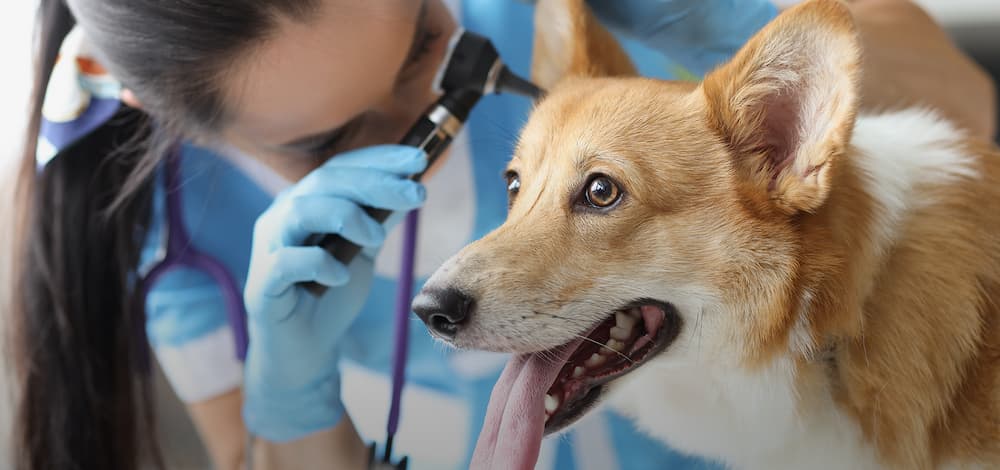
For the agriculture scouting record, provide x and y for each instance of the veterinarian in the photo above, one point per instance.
(285, 109)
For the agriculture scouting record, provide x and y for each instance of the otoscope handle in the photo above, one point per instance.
(433, 132)
(341, 249)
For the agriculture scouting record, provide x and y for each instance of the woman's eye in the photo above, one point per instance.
(423, 45)
(338, 141)
(601, 192)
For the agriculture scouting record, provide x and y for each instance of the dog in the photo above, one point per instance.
(749, 267)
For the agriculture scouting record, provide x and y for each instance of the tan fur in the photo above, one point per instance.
(912, 348)
(904, 335)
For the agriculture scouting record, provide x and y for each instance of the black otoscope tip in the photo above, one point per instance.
(508, 82)
(474, 64)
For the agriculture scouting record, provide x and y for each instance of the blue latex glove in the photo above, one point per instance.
(292, 384)
(698, 34)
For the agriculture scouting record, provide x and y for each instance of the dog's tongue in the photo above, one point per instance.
(512, 433)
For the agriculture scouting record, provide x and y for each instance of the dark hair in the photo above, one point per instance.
(79, 329)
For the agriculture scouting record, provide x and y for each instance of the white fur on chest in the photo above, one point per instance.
(747, 421)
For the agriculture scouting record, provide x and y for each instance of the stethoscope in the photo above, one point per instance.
(471, 69)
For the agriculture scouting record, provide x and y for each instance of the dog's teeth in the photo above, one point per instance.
(611, 348)
(634, 312)
(625, 321)
(621, 333)
(551, 403)
(578, 372)
(594, 361)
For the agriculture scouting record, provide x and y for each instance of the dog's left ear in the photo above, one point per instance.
(786, 103)
(569, 41)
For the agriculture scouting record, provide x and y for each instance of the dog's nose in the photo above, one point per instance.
(444, 311)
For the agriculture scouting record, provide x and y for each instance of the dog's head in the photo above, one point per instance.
(654, 219)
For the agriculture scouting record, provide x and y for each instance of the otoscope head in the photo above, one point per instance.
(472, 63)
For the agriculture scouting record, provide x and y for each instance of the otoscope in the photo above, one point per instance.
(472, 68)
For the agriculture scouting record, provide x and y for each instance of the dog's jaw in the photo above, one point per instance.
(621, 345)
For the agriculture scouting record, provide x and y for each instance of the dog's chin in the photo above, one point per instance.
(619, 345)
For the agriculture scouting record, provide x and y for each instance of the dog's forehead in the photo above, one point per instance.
(585, 119)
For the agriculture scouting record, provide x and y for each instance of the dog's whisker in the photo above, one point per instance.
(549, 357)
(606, 347)
(572, 321)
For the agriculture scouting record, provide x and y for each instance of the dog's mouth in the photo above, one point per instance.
(622, 343)
(541, 392)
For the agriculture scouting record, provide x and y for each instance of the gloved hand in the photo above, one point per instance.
(292, 385)
(698, 34)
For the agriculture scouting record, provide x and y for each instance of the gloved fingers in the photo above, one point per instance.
(372, 188)
(400, 160)
(290, 265)
(306, 215)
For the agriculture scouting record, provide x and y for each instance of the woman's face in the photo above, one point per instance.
(357, 74)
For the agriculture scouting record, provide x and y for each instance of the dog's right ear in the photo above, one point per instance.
(786, 103)
(569, 41)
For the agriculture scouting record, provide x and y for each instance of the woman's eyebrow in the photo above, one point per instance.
(312, 140)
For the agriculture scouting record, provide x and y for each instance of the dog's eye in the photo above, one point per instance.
(513, 183)
(602, 192)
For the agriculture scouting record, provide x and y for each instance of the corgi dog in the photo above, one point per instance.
(749, 267)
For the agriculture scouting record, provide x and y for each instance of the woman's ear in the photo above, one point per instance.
(130, 99)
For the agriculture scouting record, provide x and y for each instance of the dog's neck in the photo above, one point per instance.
(899, 167)
(892, 295)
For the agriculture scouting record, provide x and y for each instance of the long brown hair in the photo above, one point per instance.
(79, 331)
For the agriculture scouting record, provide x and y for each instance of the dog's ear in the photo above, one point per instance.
(569, 41)
(787, 101)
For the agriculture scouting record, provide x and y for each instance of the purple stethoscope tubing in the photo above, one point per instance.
(180, 252)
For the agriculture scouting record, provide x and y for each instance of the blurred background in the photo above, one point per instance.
(973, 24)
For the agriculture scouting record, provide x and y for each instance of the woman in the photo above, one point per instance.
(263, 93)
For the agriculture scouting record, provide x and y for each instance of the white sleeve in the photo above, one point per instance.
(203, 367)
